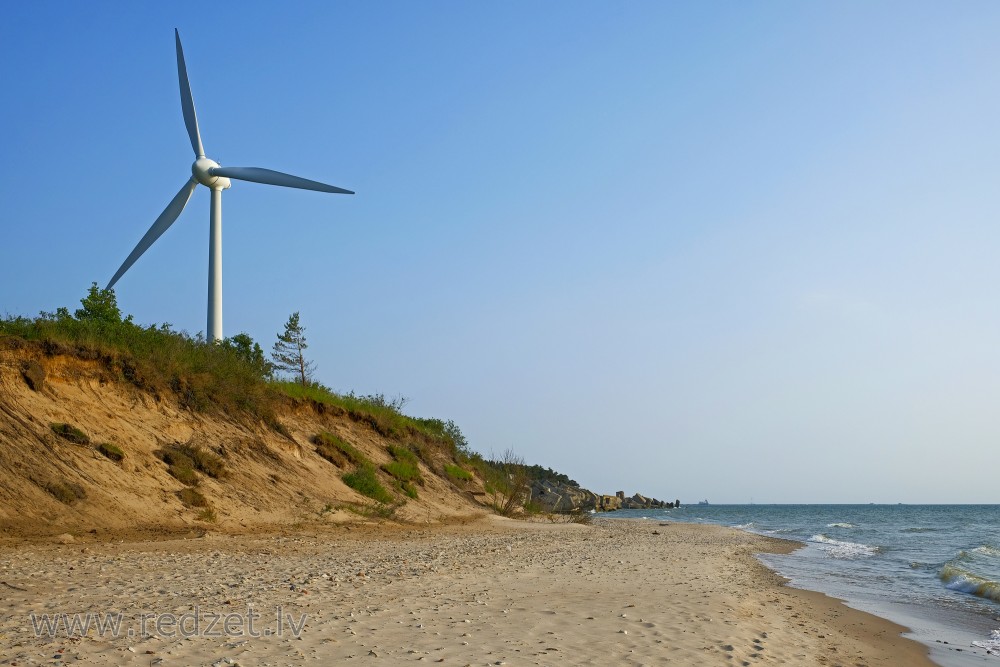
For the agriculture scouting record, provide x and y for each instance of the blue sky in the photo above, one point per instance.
(707, 249)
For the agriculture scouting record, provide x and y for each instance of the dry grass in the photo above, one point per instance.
(66, 492)
(192, 498)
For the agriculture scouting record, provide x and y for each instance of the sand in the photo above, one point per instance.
(493, 592)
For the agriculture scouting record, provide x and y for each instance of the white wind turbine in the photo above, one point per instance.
(216, 178)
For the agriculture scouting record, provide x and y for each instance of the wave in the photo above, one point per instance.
(987, 550)
(993, 644)
(745, 526)
(840, 525)
(957, 579)
(919, 530)
(838, 549)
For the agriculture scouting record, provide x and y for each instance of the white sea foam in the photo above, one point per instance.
(992, 645)
(987, 550)
(745, 526)
(838, 549)
(958, 579)
(840, 525)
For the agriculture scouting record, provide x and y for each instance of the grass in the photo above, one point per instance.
(386, 420)
(66, 492)
(192, 498)
(404, 472)
(232, 377)
(365, 482)
(457, 473)
(113, 452)
(338, 451)
(374, 511)
(403, 454)
(409, 490)
(204, 376)
(185, 460)
(70, 432)
(207, 515)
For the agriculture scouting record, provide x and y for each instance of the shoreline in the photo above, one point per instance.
(490, 592)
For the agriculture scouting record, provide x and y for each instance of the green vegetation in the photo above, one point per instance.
(404, 472)
(233, 377)
(113, 452)
(204, 376)
(184, 460)
(457, 473)
(404, 469)
(66, 492)
(338, 451)
(365, 482)
(71, 433)
(507, 483)
(538, 472)
(289, 352)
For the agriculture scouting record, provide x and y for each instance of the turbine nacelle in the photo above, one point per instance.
(216, 178)
(202, 172)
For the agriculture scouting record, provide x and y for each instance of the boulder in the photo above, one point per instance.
(554, 496)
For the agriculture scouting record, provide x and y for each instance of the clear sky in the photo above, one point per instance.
(723, 250)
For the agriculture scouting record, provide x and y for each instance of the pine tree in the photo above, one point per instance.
(288, 351)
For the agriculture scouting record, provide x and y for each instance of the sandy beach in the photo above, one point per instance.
(489, 592)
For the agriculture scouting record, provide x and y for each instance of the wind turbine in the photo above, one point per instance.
(216, 178)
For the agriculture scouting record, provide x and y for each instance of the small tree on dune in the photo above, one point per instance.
(250, 352)
(288, 352)
(100, 305)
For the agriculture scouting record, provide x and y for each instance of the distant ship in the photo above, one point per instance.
(702, 502)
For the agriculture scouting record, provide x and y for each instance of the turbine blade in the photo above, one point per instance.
(187, 102)
(270, 177)
(166, 219)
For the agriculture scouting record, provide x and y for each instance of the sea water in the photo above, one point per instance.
(932, 568)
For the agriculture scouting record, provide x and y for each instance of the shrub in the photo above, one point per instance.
(66, 492)
(409, 490)
(71, 433)
(364, 481)
(457, 473)
(207, 515)
(113, 452)
(532, 507)
(192, 498)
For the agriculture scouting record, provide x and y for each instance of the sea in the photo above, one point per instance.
(932, 568)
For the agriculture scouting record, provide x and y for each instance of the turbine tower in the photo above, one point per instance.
(216, 178)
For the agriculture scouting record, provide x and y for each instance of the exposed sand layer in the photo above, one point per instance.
(273, 479)
(492, 593)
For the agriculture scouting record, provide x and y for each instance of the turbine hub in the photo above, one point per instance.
(201, 170)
